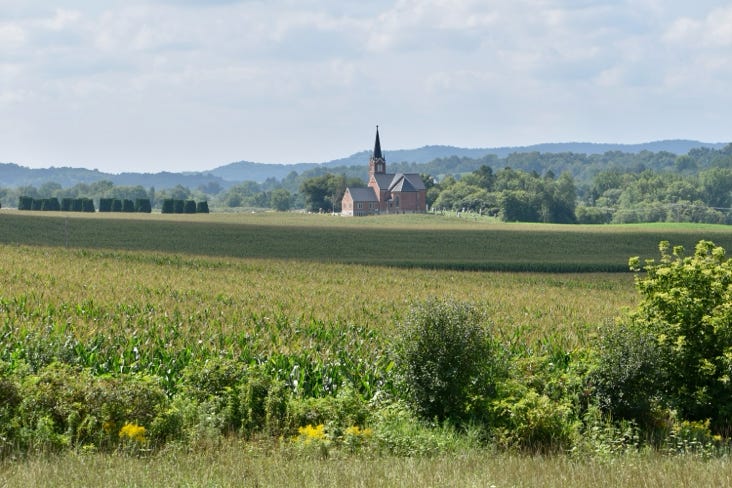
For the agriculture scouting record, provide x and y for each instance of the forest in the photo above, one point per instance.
(614, 187)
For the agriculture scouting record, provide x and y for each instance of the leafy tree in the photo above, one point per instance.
(326, 191)
(518, 206)
(680, 337)
(716, 186)
(280, 199)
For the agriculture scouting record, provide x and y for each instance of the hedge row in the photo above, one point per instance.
(52, 204)
(141, 205)
(171, 205)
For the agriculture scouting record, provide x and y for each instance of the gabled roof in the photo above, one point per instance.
(383, 180)
(401, 184)
(406, 182)
(362, 194)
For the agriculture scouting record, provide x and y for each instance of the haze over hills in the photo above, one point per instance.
(13, 175)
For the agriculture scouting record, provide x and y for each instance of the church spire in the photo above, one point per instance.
(377, 163)
(377, 146)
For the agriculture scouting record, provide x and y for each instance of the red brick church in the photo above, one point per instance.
(387, 193)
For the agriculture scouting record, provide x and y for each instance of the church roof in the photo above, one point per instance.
(383, 180)
(402, 184)
(362, 194)
(406, 182)
(399, 181)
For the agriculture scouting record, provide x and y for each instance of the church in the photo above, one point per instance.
(386, 193)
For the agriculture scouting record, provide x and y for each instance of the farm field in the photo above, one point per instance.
(429, 241)
(159, 297)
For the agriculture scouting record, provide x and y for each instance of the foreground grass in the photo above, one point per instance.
(424, 241)
(238, 465)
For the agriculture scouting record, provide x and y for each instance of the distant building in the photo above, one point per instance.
(387, 193)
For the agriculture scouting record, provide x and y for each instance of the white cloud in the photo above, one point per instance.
(11, 36)
(234, 76)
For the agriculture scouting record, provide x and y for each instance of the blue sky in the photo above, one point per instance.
(182, 85)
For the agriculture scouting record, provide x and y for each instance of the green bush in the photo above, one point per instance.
(630, 376)
(66, 406)
(25, 203)
(168, 206)
(686, 305)
(525, 419)
(202, 207)
(105, 204)
(593, 215)
(346, 409)
(449, 363)
(116, 205)
(128, 205)
(50, 204)
(87, 205)
(67, 204)
(179, 206)
(189, 207)
(142, 205)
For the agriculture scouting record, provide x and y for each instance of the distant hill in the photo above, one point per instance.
(13, 175)
(261, 171)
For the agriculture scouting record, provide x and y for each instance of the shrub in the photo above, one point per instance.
(189, 207)
(142, 205)
(179, 206)
(105, 204)
(338, 412)
(202, 207)
(51, 204)
(448, 360)
(168, 206)
(629, 377)
(686, 304)
(62, 405)
(593, 215)
(87, 205)
(528, 420)
(116, 205)
(128, 205)
(67, 204)
(25, 203)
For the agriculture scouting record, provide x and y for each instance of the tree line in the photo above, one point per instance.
(613, 187)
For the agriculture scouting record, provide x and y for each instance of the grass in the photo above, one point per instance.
(236, 465)
(424, 241)
(146, 291)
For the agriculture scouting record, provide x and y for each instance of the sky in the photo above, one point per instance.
(187, 85)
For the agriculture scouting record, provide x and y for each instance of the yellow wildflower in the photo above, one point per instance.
(133, 432)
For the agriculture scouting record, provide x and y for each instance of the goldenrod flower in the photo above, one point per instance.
(133, 432)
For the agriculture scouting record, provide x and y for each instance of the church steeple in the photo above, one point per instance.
(377, 146)
(377, 164)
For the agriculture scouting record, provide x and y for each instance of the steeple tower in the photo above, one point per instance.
(377, 164)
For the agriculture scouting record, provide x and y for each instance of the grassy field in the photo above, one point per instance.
(238, 466)
(427, 241)
(320, 295)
